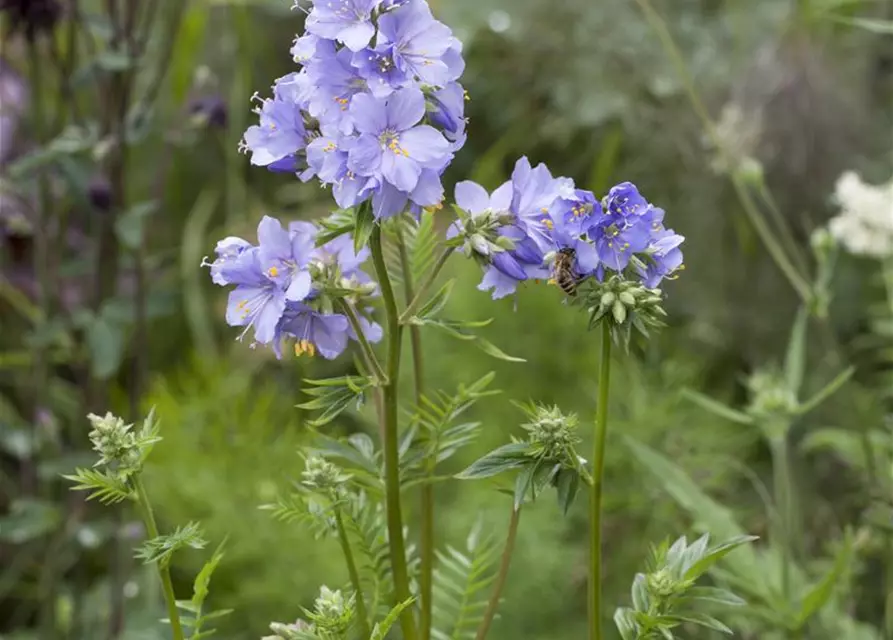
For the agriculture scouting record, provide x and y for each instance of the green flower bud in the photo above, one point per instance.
(771, 397)
(619, 312)
(662, 584)
(114, 441)
(608, 299)
(627, 298)
(552, 433)
(321, 474)
(332, 614)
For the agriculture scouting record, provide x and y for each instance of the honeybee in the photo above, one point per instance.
(563, 271)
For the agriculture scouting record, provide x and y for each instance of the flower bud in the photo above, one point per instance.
(552, 433)
(771, 397)
(99, 192)
(332, 614)
(479, 244)
(113, 440)
(662, 584)
(321, 474)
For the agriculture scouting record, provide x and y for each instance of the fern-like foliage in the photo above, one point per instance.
(437, 433)
(161, 549)
(195, 618)
(419, 238)
(305, 509)
(334, 395)
(106, 486)
(461, 587)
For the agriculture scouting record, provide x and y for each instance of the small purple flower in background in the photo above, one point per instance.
(347, 21)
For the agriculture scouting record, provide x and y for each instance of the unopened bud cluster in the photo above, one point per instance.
(481, 237)
(299, 630)
(115, 441)
(552, 433)
(322, 475)
(620, 300)
(663, 584)
(770, 395)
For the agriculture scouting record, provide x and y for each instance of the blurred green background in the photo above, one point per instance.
(586, 87)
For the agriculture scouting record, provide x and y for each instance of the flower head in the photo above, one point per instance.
(321, 474)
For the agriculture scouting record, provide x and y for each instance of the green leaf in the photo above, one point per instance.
(701, 619)
(625, 621)
(795, 359)
(437, 302)
(715, 554)
(106, 487)
(505, 458)
(819, 594)
(161, 548)
(715, 595)
(335, 225)
(333, 396)
(492, 350)
(380, 630)
(203, 579)
(364, 224)
(830, 389)
(523, 482)
(717, 408)
(639, 592)
(568, 484)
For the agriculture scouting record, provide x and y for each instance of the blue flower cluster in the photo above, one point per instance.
(375, 110)
(520, 230)
(281, 283)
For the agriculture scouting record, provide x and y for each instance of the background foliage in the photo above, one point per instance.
(586, 88)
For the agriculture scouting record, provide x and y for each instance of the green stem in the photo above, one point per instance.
(426, 493)
(389, 430)
(166, 584)
(595, 496)
(371, 361)
(784, 508)
(417, 301)
(354, 575)
(776, 251)
(501, 577)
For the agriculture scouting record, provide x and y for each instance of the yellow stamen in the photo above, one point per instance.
(273, 272)
(305, 347)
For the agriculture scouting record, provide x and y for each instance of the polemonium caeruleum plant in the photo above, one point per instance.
(374, 111)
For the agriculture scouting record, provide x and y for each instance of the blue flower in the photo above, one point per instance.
(420, 43)
(534, 191)
(327, 157)
(313, 331)
(348, 21)
(266, 277)
(494, 237)
(663, 257)
(571, 219)
(332, 82)
(281, 134)
(379, 69)
(625, 229)
(395, 149)
(447, 112)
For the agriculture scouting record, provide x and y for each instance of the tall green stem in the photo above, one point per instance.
(391, 452)
(362, 614)
(784, 507)
(368, 353)
(426, 497)
(887, 267)
(595, 496)
(501, 577)
(166, 584)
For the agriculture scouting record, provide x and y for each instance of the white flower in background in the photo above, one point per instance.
(737, 136)
(865, 223)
